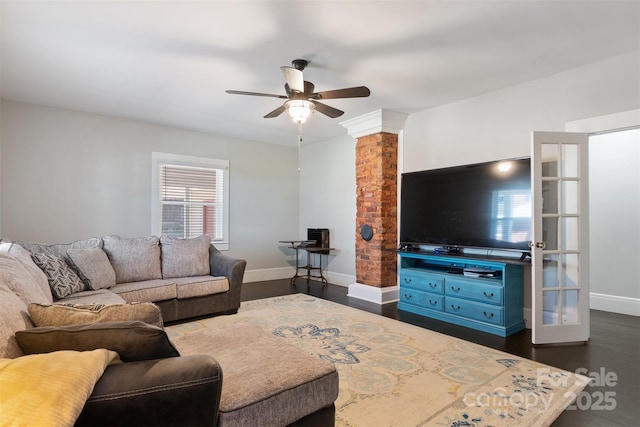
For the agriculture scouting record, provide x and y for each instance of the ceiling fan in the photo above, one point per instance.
(301, 98)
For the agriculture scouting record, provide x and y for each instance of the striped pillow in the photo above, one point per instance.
(62, 279)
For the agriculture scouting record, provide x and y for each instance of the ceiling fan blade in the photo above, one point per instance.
(308, 88)
(350, 92)
(294, 78)
(275, 113)
(327, 111)
(240, 92)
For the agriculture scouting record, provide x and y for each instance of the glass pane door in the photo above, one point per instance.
(560, 306)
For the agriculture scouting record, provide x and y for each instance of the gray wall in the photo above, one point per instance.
(493, 126)
(53, 159)
(614, 213)
(67, 175)
(498, 125)
(328, 200)
(1, 167)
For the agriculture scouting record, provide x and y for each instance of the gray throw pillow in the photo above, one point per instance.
(93, 267)
(60, 249)
(133, 341)
(134, 259)
(185, 257)
(63, 281)
(74, 314)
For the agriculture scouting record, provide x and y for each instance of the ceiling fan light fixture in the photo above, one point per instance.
(299, 110)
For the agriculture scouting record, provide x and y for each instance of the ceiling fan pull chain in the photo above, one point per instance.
(299, 143)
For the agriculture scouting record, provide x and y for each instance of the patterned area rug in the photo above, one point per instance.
(396, 374)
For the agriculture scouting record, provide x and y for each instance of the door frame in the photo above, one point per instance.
(610, 123)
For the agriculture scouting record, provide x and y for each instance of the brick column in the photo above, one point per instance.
(377, 199)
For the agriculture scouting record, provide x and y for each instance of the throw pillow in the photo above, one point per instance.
(73, 314)
(60, 249)
(93, 267)
(134, 259)
(133, 341)
(63, 281)
(34, 285)
(185, 257)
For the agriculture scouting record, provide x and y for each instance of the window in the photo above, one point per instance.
(190, 197)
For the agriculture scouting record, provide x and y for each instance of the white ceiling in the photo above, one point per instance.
(170, 62)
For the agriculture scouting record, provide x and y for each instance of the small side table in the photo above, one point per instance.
(309, 267)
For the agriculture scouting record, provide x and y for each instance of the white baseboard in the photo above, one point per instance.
(373, 294)
(615, 304)
(603, 302)
(526, 314)
(268, 274)
(339, 279)
(260, 275)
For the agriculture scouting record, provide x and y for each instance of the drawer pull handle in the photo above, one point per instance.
(433, 302)
(488, 295)
(455, 289)
(407, 280)
(454, 308)
(433, 285)
(407, 296)
(488, 316)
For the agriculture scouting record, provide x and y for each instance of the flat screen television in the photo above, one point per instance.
(484, 205)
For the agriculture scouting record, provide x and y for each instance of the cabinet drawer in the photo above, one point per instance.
(422, 299)
(422, 281)
(475, 290)
(474, 310)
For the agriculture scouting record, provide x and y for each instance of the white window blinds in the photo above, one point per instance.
(191, 197)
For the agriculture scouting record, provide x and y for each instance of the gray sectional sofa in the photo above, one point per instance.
(236, 375)
(184, 277)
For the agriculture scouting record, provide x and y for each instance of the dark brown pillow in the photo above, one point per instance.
(133, 341)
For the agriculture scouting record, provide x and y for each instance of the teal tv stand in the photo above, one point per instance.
(479, 293)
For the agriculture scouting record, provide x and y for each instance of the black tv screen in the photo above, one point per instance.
(484, 205)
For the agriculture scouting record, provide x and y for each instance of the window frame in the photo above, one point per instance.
(158, 159)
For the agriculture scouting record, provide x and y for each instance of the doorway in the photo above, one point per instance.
(614, 210)
(614, 215)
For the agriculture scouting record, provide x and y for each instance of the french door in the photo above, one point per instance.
(560, 250)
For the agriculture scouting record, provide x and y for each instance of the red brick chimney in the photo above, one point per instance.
(377, 201)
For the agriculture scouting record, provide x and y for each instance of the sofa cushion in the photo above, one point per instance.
(247, 393)
(13, 317)
(133, 341)
(38, 289)
(189, 287)
(185, 257)
(133, 259)
(60, 249)
(21, 281)
(93, 267)
(63, 280)
(101, 296)
(63, 315)
(148, 290)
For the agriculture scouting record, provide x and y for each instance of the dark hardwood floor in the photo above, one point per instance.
(613, 350)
